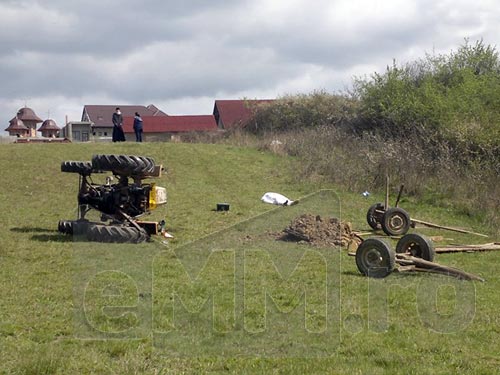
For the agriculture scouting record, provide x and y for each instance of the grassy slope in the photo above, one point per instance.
(37, 325)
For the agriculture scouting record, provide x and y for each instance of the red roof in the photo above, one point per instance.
(172, 124)
(231, 113)
(102, 115)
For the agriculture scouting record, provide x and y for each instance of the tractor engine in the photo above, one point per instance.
(109, 199)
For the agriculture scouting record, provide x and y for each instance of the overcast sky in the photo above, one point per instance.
(58, 55)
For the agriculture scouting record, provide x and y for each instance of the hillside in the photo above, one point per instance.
(76, 307)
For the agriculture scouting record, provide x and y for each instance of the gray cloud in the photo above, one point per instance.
(182, 52)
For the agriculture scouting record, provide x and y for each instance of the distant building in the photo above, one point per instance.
(84, 131)
(49, 129)
(17, 128)
(29, 119)
(236, 113)
(169, 128)
(96, 124)
(101, 115)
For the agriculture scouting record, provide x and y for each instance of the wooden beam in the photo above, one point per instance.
(421, 264)
(431, 225)
(494, 246)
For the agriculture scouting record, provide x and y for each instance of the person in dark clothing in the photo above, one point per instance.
(118, 135)
(138, 127)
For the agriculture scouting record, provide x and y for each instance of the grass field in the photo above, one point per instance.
(224, 296)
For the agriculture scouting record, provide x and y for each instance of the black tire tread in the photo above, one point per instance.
(126, 165)
(73, 227)
(81, 167)
(115, 234)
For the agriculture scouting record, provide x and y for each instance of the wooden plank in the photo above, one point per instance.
(494, 246)
(419, 263)
(431, 225)
(386, 204)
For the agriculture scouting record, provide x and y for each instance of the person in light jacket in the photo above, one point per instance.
(138, 127)
(118, 135)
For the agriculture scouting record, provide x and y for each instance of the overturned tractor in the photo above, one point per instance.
(120, 204)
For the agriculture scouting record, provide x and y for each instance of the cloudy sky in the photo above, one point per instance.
(58, 55)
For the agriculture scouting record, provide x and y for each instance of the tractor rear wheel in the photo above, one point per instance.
(81, 167)
(115, 234)
(124, 165)
(73, 227)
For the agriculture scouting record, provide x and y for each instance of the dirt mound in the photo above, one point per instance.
(320, 231)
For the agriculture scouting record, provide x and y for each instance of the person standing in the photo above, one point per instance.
(118, 134)
(138, 127)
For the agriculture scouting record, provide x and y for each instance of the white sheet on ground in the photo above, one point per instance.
(277, 199)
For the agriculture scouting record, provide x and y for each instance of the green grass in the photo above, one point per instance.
(57, 296)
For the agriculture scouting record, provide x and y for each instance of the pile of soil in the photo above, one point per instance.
(320, 231)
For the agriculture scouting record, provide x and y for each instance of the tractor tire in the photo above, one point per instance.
(81, 167)
(416, 245)
(65, 227)
(396, 222)
(73, 227)
(375, 258)
(124, 165)
(115, 234)
(374, 218)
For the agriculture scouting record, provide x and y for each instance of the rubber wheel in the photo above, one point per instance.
(372, 217)
(65, 227)
(115, 234)
(73, 227)
(396, 222)
(416, 245)
(375, 258)
(124, 165)
(81, 167)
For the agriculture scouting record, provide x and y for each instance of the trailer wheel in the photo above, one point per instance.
(373, 217)
(124, 165)
(396, 222)
(115, 234)
(81, 167)
(416, 245)
(375, 258)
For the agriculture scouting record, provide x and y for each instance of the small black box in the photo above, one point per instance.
(222, 206)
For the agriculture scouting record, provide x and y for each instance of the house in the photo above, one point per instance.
(29, 119)
(166, 128)
(101, 115)
(96, 124)
(17, 128)
(235, 113)
(49, 129)
(79, 131)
